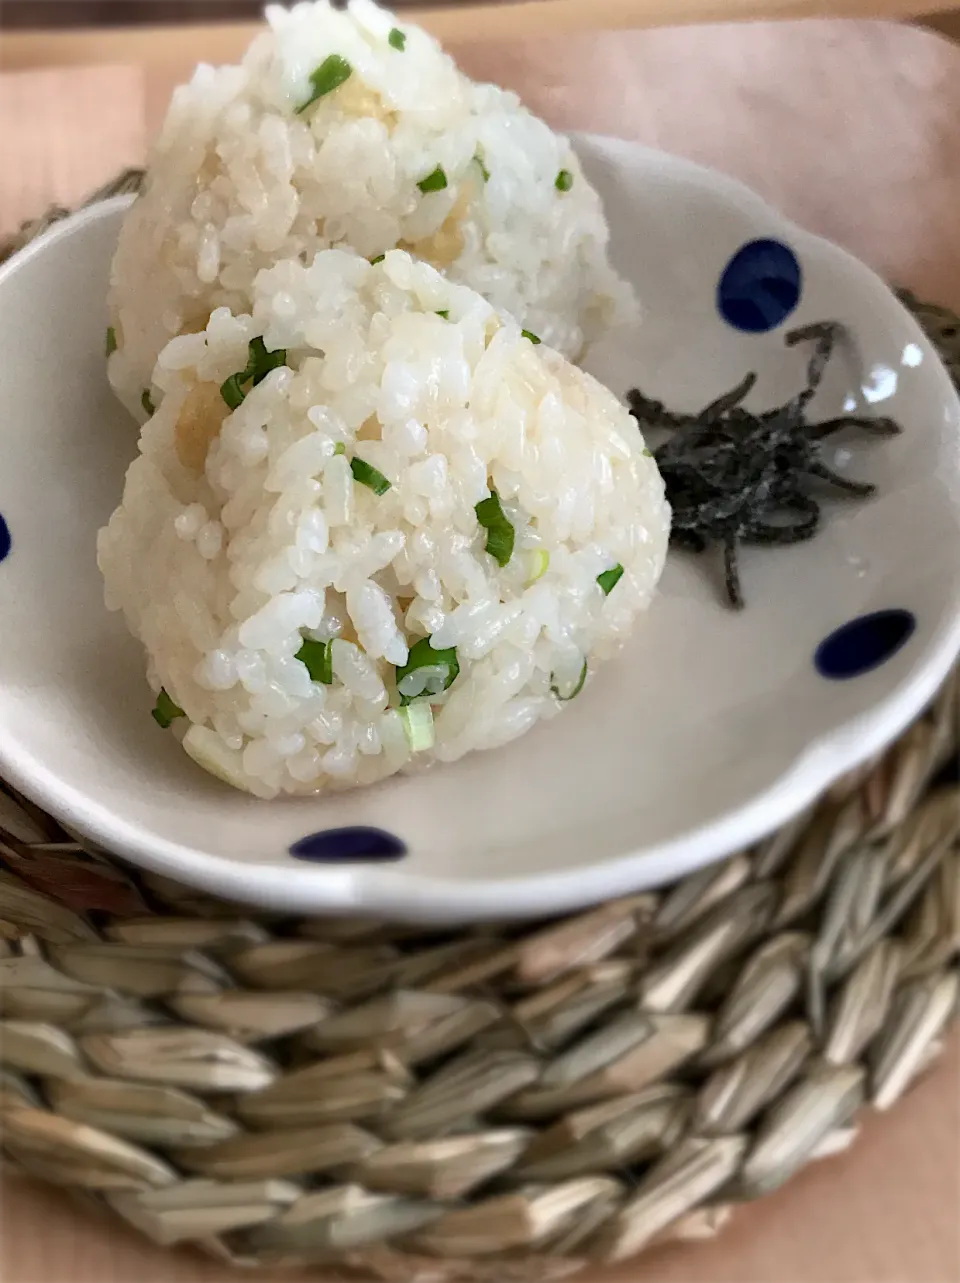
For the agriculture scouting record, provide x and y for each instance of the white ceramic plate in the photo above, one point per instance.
(713, 728)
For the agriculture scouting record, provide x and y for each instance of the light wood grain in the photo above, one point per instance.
(757, 101)
(852, 129)
(65, 137)
(498, 20)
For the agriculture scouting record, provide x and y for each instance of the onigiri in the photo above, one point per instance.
(375, 524)
(352, 128)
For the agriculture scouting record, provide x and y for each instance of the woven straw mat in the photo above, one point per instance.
(502, 1102)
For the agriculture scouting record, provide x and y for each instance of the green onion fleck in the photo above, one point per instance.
(111, 340)
(576, 690)
(232, 392)
(369, 476)
(563, 181)
(445, 313)
(397, 39)
(610, 578)
(378, 259)
(434, 182)
(500, 532)
(647, 454)
(483, 169)
(259, 364)
(418, 726)
(318, 658)
(538, 559)
(165, 710)
(330, 75)
(146, 400)
(339, 448)
(422, 655)
(261, 361)
(528, 334)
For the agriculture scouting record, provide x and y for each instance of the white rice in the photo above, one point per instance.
(239, 179)
(241, 534)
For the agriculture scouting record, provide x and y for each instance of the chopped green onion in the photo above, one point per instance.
(232, 392)
(259, 364)
(397, 39)
(369, 476)
(434, 182)
(165, 710)
(418, 726)
(576, 690)
(528, 334)
(500, 532)
(610, 578)
(647, 454)
(318, 658)
(538, 559)
(563, 181)
(445, 313)
(111, 340)
(422, 655)
(378, 259)
(339, 448)
(330, 75)
(483, 169)
(261, 361)
(146, 400)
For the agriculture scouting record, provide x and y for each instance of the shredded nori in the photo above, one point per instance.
(733, 476)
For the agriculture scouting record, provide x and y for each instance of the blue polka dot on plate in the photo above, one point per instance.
(760, 286)
(863, 644)
(5, 540)
(336, 846)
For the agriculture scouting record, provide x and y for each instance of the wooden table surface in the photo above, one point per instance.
(851, 128)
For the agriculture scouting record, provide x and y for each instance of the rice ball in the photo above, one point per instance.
(350, 128)
(374, 525)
